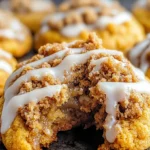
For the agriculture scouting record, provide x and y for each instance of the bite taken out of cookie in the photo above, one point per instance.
(71, 84)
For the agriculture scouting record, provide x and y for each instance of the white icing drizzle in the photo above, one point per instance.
(59, 54)
(57, 72)
(6, 66)
(10, 110)
(74, 30)
(138, 55)
(13, 29)
(116, 92)
(5, 54)
(120, 18)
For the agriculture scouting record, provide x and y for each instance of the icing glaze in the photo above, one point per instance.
(74, 30)
(13, 29)
(5, 54)
(6, 66)
(59, 54)
(116, 92)
(57, 72)
(11, 108)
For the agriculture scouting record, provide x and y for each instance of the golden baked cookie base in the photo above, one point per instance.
(15, 47)
(32, 20)
(4, 75)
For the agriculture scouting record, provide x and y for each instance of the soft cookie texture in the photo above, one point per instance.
(32, 12)
(72, 84)
(7, 66)
(14, 36)
(141, 10)
(113, 24)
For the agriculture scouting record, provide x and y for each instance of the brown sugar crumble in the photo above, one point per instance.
(80, 102)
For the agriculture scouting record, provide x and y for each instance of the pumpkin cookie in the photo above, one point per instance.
(71, 84)
(7, 65)
(14, 36)
(141, 11)
(32, 12)
(113, 24)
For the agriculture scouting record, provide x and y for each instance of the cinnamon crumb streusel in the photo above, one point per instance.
(68, 85)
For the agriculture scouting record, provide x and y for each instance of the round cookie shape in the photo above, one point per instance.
(32, 12)
(75, 20)
(14, 36)
(70, 84)
(141, 10)
(7, 66)
(140, 55)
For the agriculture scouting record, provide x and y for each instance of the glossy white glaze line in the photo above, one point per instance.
(10, 109)
(5, 54)
(74, 30)
(59, 54)
(6, 66)
(50, 58)
(40, 5)
(116, 92)
(120, 18)
(57, 72)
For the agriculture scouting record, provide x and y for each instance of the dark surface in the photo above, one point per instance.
(76, 139)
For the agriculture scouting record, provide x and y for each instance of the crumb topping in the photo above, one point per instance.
(77, 12)
(78, 95)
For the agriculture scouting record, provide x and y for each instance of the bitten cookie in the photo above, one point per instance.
(72, 84)
(7, 66)
(113, 24)
(14, 36)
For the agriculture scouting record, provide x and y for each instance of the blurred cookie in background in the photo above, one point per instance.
(7, 66)
(14, 36)
(76, 18)
(141, 11)
(30, 12)
(140, 56)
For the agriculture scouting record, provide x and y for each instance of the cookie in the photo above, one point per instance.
(14, 36)
(75, 19)
(7, 66)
